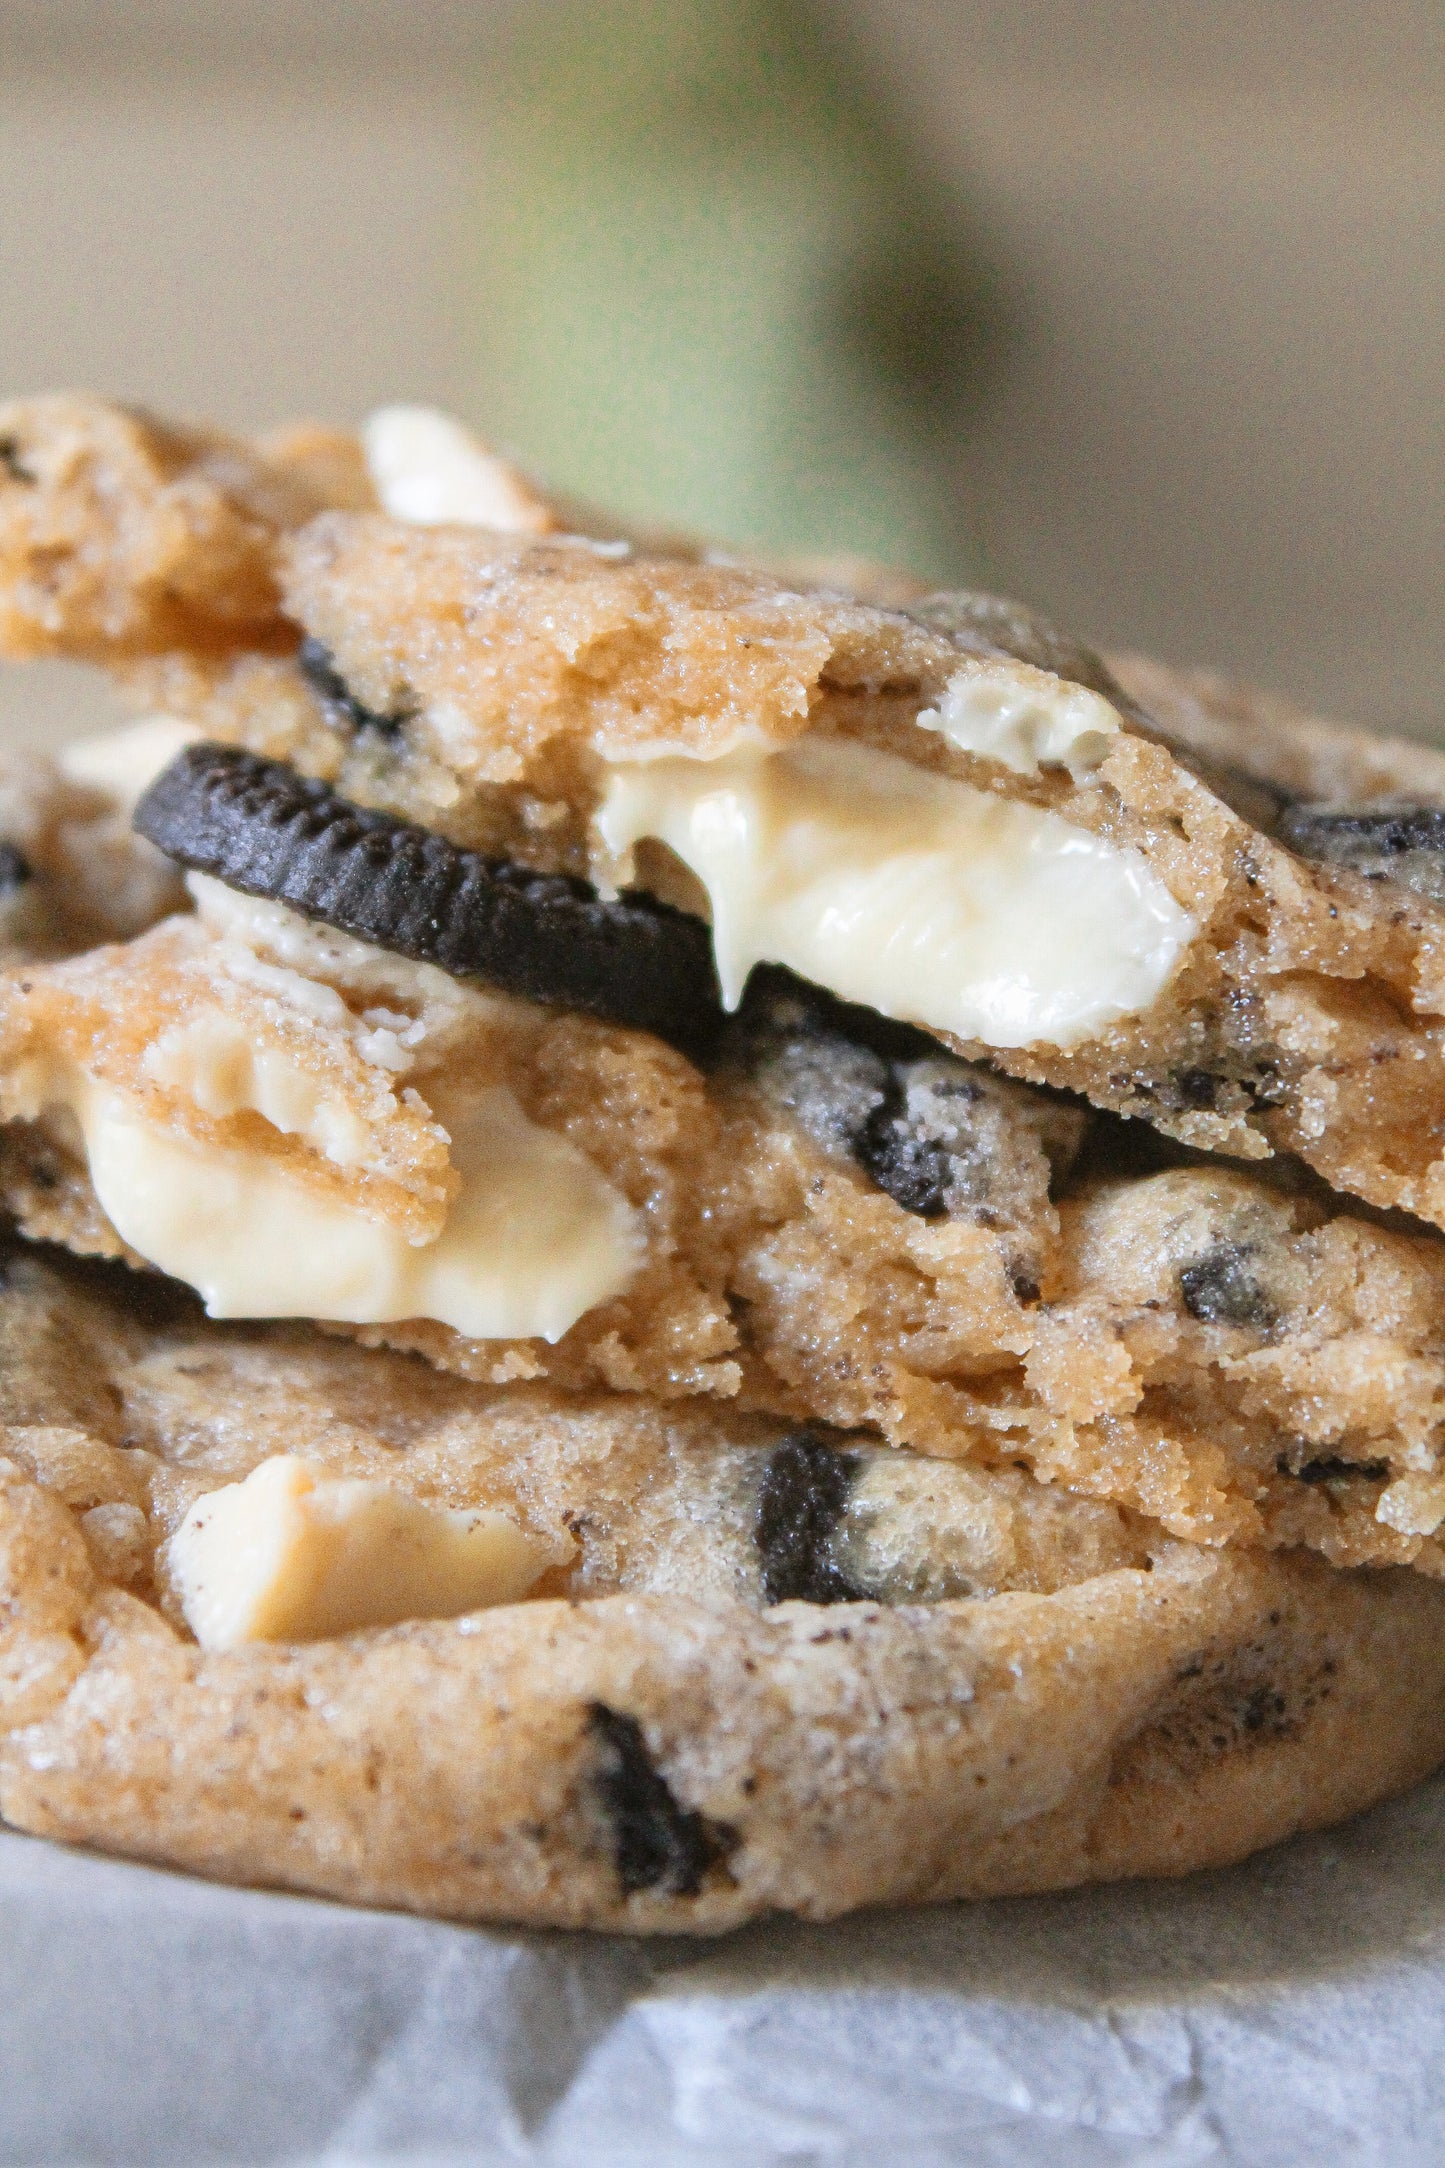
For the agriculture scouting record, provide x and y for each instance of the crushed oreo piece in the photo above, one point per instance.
(657, 1844)
(906, 1158)
(938, 1135)
(802, 1498)
(318, 666)
(16, 870)
(790, 1041)
(261, 828)
(1389, 839)
(12, 463)
(1263, 1711)
(1219, 1289)
(930, 1144)
(1331, 1469)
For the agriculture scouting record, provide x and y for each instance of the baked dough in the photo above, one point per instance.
(654, 1747)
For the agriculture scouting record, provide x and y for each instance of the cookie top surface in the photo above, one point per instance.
(790, 1671)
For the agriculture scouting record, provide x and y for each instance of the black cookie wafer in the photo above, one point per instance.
(260, 827)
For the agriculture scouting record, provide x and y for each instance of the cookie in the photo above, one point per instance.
(121, 534)
(1272, 743)
(890, 804)
(1037, 1691)
(834, 1220)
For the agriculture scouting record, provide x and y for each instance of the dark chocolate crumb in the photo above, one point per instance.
(318, 667)
(912, 1166)
(1199, 1088)
(1264, 1710)
(920, 1123)
(657, 1844)
(15, 869)
(803, 1496)
(1331, 1469)
(1218, 1289)
(12, 463)
(261, 828)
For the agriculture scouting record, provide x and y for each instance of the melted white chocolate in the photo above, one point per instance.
(911, 892)
(291, 1555)
(535, 1237)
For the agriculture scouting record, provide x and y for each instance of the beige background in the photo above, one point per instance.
(1222, 227)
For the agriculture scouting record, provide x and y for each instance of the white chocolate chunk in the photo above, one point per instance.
(1024, 717)
(428, 468)
(217, 1064)
(290, 1555)
(535, 1237)
(122, 764)
(911, 892)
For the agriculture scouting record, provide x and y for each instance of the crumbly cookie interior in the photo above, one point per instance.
(902, 1241)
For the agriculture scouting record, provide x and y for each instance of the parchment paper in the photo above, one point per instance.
(1288, 2011)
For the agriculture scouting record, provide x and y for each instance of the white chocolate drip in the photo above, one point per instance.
(914, 893)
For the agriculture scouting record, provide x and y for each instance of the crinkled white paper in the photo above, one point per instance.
(1289, 2011)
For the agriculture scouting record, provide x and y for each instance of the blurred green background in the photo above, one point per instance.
(723, 286)
(1136, 310)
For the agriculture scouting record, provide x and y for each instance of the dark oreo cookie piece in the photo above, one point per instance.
(1391, 839)
(1219, 1289)
(16, 870)
(261, 828)
(318, 667)
(925, 1145)
(918, 1121)
(1332, 1469)
(657, 1843)
(803, 1496)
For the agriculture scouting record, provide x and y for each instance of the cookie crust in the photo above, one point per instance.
(1304, 1016)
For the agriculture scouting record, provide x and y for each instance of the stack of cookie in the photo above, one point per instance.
(688, 1240)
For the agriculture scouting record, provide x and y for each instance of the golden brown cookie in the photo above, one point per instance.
(121, 534)
(833, 1219)
(785, 1674)
(1022, 865)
